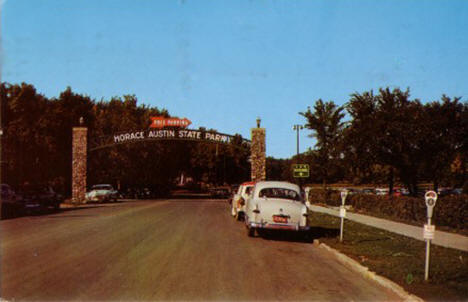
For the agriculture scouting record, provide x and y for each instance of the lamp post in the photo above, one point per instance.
(297, 128)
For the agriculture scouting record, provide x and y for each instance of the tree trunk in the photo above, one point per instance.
(414, 186)
(436, 185)
(390, 182)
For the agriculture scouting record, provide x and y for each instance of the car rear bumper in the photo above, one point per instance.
(99, 197)
(32, 205)
(278, 226)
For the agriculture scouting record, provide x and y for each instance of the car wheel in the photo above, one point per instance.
(239, 216)
(251, 232)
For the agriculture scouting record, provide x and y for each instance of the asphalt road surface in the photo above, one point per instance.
(166, 250)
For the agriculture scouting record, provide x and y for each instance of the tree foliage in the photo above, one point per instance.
(390, 137)
(326, 123)
(37, 139)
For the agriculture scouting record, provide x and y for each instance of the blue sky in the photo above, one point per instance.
(223, 63)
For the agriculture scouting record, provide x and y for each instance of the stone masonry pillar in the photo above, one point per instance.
(79, 156)
(258, 150)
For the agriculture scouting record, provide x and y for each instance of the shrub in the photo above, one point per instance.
(465, 187)
(451, 211)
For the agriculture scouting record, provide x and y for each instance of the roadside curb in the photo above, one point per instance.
(69, 205)
(366, 273)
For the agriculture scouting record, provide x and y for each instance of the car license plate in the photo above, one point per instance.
(280, 219)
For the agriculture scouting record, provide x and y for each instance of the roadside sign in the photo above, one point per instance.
(343, 194)
(162, 122)
(429, 231)
(342, 212)
(300, 170)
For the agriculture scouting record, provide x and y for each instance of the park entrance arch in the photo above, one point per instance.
(82, 147)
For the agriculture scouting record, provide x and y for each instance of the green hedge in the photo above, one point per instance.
(450, 211)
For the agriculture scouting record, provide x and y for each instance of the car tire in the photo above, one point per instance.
(251, 231)
(239, 216)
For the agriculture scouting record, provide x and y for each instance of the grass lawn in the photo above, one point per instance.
(398, 258)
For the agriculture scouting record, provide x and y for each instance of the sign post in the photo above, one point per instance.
(300, 170)
(344, 194)
(429, 230)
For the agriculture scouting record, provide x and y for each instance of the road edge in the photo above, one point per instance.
(366, 273)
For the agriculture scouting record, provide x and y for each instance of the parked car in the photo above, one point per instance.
(37, 198)
(367, 191)
(11, 205)
(220, 192)
(145, 193)
(239, 198)
(445, 191)
(276, 205)
(8, 195)
(382, 191)
(102, 193)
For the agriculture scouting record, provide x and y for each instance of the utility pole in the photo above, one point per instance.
(297, 128)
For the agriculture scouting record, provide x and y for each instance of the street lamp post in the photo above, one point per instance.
(297, 128)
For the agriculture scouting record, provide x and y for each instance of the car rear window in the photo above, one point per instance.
(281, 193)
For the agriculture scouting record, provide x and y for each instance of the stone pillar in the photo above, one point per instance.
(258, 157)
(79, 156)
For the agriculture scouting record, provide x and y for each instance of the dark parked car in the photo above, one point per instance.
(11, 207)
(36, 198)
(220, 192)
(138, 193)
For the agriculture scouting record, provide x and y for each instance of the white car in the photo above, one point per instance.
(276, 205)
(238, 201)
(382, 191)
(101, 193)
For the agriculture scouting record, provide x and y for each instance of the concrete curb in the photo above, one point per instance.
(366, 273)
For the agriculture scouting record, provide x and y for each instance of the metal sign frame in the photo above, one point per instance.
(134, 136)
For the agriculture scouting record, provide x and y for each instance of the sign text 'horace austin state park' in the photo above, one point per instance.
(172, 134)
(157, 132)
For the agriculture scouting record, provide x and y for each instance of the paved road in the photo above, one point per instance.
(166, 250)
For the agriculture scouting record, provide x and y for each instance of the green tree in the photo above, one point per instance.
(443, 139)
(359, 135)
(326, 123)
(398, 129)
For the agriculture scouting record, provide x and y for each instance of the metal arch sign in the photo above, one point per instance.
(164, 134)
